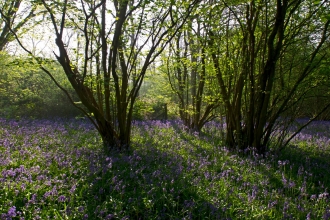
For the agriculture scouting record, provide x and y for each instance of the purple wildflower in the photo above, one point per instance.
(62, 198)
(284, 180)
(285, 208)
(313, 197)
(272, 204)
(109, 217)
(81, 209)
(12, 212)
(33, 199)
(292, 184)
(326, 214)
(73, 188)
(189, 204)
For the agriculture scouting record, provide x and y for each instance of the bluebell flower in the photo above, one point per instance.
(109, 217)
(326, 215)
(81, 209)
(62, 198)
(12, 212)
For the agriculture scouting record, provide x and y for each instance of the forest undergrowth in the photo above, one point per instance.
(55, 169)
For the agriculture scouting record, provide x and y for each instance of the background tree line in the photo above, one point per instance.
(257, 65)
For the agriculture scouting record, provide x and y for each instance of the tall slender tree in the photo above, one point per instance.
(190, 74)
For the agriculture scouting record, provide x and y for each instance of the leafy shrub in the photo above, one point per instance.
(26, 91)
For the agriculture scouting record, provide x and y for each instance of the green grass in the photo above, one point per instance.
(56, 169)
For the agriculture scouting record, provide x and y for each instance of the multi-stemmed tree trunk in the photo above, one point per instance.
(190, 78)
(109, 60)
(256, 36)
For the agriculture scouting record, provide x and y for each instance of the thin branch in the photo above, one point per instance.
(53, 79)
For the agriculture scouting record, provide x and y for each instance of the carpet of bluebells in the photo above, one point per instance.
(55, 169)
